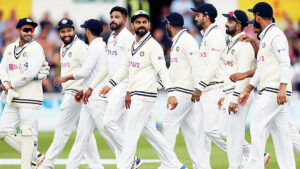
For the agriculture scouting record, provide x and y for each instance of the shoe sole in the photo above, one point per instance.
(267, 161)
(140, 164)
(37, 165)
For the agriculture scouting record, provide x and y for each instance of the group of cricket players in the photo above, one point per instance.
(113, 87)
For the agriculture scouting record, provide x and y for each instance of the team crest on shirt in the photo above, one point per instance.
(115, 43)
(204, 43)
(70, 54)
(142, 53)
(24, 54)
(177, 48)
(263, 45)
(232, 52)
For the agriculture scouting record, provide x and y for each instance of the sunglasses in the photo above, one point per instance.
(26, 30)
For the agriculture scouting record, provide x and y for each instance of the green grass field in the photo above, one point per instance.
(144, 151)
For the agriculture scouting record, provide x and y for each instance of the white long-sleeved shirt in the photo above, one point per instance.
(273, 62)
(20, 65)
(212, 47)
(184, 69)
(71, 58)
(144, 60)
(239, 57)
(95, 59)
(116, 52)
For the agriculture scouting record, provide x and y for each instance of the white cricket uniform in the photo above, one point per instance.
(115, 114)
(273, 69)
(71, 57)
(91, 114)
(20, 65)
(239, 57)
(183, 56)
(143, 61)
(211, 50)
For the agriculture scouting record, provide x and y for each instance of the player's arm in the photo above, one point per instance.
(241, 76)
(158, 61)
(35, 62)
(280, 48)
(216, 47)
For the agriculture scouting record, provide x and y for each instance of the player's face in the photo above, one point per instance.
(230, 27)
(256, 22)
(117, 20)
(141, 26)
(199, 18)
(67, 34)
(26, 33)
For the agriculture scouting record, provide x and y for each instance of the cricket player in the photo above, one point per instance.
(239, 57)
(21, 63)
(72, 55)
(273, 81)
(115, 113)
(183, 56)
(143, 61)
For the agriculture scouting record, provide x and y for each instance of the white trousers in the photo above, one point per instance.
(67, 121)
(269, 116)
(295, 137)
(187, 119)
(236, 143)
(91, 116)
(115, 116)
(140, 120)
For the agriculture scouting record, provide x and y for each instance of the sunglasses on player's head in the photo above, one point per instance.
(26, 30)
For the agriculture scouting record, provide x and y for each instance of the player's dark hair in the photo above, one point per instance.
(212, 20)
(120, 9)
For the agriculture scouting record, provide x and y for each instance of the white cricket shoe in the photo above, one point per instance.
(266, 158)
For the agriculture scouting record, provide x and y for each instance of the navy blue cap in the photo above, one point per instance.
(65, 22)
(140, 13)
(238, 16)
(207, 9)
(26, 21)
(262, 9)
(174, 19)
(93, 25)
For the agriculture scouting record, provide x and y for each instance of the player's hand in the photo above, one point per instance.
(237, 77)
(127, 100)
(220, 102)
(172, 102)
(104, 91)
(281, 96)
(196, 95)
(232, 107)
(243, 97)
(246, 38)
(6, 85)
(86, 95)
(58, 81)
(78, 96)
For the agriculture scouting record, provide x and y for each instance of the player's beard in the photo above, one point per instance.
(67, 42)
(86, 40)
(118, 26)
(26, 38)
(141, 33)
(230, 31)
(200, 25)
(169, 32)
(256, 24)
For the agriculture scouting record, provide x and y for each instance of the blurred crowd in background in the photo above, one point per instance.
(46, 34)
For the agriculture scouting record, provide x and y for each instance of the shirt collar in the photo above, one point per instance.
(177, 35)
(262, 34)
(113, 33)
(70, 44)
(233, 39)
(96, 40)
(208, 29)
(142, 39)
(17, 43)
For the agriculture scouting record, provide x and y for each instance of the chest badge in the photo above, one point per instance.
(70, 54)
(232, 52)
(115, 43)
(142, 54)
(177, 49)
(24, 54)
(264, 45)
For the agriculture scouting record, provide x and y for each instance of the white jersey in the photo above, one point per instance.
(184, 67)
(273, 63)
(95, 59)
(239, 58)
(19, 66)
(143, 61)
(71, 59)
(116, 54)
(212, 47)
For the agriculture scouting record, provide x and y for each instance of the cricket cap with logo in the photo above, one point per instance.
(26, 21)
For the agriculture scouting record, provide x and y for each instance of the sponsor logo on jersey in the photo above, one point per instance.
(13, 67)
(134, 64)
(202, 54)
